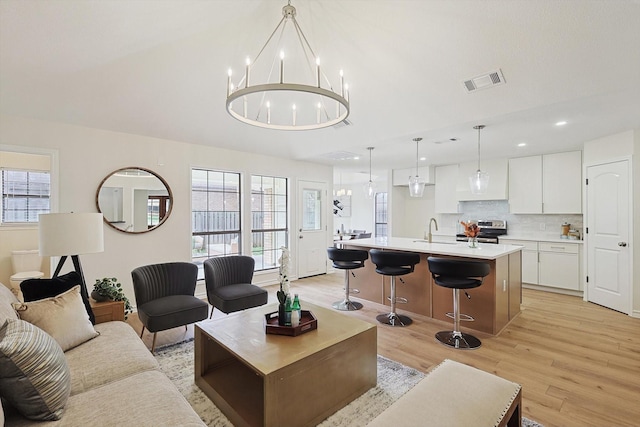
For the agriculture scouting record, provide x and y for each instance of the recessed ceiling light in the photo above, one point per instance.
(356, 158)
(522, 144)
(423, 159)
(561, 123)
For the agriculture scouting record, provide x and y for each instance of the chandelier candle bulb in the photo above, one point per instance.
(281, 66)
(294, 114)
(244, 104)
(247, 75)
(268, 112)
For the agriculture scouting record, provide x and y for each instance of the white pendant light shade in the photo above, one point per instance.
(416, 185)
(479, 181)
(370, 187)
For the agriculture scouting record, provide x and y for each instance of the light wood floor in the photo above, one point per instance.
(578, 363)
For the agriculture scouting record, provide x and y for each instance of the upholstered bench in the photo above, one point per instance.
(454, 395)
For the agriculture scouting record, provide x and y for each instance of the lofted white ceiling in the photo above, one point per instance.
(158, 68)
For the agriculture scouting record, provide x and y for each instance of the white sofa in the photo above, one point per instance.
(115, 381)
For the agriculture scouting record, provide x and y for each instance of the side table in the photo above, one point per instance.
(107, 311)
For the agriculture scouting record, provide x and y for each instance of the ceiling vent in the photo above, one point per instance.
(491, 79)
(340, 125)
(340, 155)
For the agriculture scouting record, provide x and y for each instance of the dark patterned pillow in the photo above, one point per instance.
(37, 289)
(34, 375)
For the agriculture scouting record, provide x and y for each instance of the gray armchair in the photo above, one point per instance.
(165, 296)
(228, 281)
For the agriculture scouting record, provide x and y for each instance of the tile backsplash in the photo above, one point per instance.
(547, 225)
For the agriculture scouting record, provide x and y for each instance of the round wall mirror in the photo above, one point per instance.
(134, 200)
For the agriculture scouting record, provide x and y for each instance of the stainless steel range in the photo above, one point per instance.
(489, 231)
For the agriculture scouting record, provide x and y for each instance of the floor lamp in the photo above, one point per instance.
(71, 234)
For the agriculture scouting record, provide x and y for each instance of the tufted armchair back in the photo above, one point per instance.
(151, 282)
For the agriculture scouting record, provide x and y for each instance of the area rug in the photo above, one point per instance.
(394, 380)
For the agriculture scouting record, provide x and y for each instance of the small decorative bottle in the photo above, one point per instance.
(287, 312)
(295, 311)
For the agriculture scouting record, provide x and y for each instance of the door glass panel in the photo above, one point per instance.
(311, 209)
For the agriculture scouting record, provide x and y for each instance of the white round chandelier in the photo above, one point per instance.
(291, 95)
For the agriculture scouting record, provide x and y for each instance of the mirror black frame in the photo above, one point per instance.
(149, 171)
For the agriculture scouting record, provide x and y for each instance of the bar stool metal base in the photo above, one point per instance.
(394, 319)
(458, 340)
(347, 305)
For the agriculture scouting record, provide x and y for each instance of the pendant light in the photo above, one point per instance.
(479, 181)
(370, 187)
(416, 185)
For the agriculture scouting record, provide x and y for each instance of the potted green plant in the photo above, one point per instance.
(109, 289)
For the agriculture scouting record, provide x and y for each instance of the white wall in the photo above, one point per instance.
(87, 155)
(411, 214)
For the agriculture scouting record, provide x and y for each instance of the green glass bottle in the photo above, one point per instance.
(287, 312)
(295, 311)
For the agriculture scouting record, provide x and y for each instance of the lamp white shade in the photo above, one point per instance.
(70, 233)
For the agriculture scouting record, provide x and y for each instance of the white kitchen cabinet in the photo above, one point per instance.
(551, 184)
(498, 177)
(559, 265)
(529, 260)
(562, 183)
(401, 176)
(525, 185)
(446, 199)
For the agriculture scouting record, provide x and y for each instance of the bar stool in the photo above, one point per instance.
(347, 259)
(456, 275)
(394, 264)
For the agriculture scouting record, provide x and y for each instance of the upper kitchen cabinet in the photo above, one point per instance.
(446, 198)
(551, 183)
(401, 176)
(525, 185)
(497, 170)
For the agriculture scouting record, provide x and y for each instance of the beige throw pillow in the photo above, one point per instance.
(64, 317)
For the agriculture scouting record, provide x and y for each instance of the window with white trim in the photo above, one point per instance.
(269, 220)
(215, 215)
(25, 195)
(381, 214)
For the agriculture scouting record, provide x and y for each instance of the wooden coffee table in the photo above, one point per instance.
(259, 379)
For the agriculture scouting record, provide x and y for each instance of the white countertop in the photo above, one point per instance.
(539, 239)
(461, 249)
(507, 237)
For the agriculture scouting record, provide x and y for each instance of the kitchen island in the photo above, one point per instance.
(492, 305)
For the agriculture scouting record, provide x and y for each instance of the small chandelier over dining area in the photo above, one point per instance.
(479, 181)
(370, 187)
(416, 185)
(290, 92)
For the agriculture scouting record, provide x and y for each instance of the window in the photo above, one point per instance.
(269, 221)
(215, 211)
(381, 214)
(25, 194)
(157, 208)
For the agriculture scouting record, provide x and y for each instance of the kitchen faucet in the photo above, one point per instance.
(430, 237)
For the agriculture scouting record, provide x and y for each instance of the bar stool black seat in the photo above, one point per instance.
(456, 274)
(347, 259)
(394, 264)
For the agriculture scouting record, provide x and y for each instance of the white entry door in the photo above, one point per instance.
(312, 230)
(608, 215)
